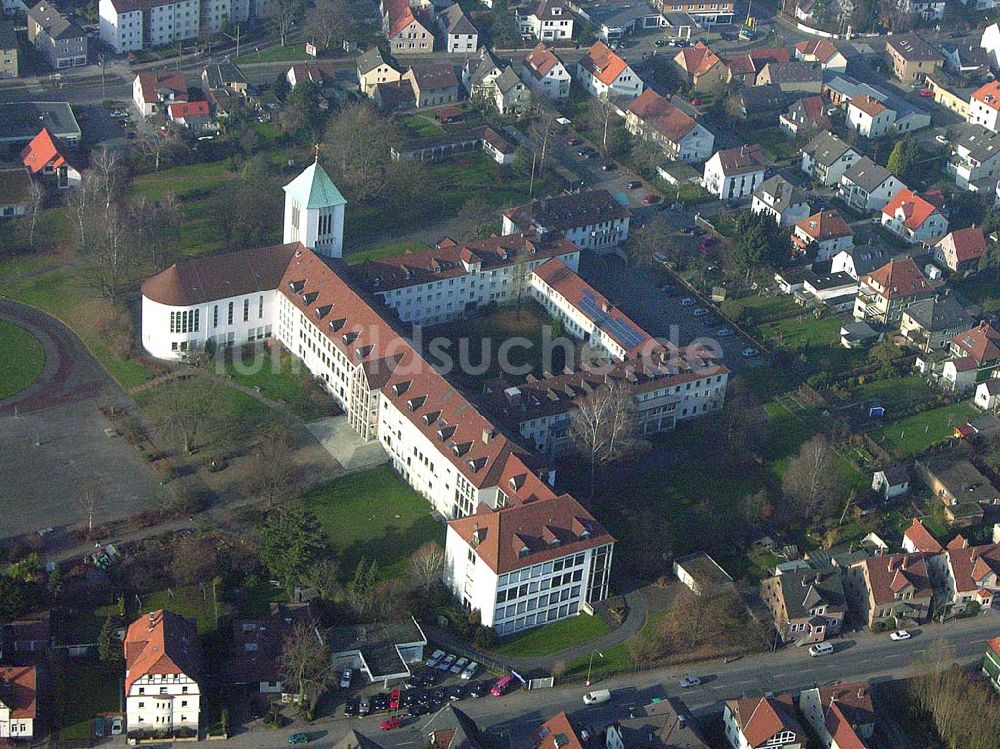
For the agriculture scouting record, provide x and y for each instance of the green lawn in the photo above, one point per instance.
(420, 125)
(554, 637)
(375, 515)
(76, 626)
(83, 688)
(184, 181)
(390, 250)
(288, 53)
(917, 433)
(279, 376)
(751, 307)
(189, 602)
(22, 360)
(895, 392)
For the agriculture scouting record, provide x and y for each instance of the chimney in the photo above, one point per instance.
(488, 435)
(862, 692)
(152, 620)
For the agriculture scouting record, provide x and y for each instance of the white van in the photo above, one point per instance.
(820, 648)
(596, 697)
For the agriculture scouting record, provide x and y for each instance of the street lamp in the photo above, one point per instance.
(591, 666)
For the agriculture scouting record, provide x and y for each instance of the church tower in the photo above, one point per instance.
(314, 212)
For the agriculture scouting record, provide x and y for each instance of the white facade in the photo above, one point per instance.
(783, 215)
(556, 23)
(554, 84)
(314, 213)
(991, 41)
(121, 31)
(985, 113)
(600, 237)
(929, 231)
(134, 26)
(870, 126)
(626, 83)
(988, 395)
(782, 739)
(730, 186)
(170, 332)
(860, 199)
(163, 702)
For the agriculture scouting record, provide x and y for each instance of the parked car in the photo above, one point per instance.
(345, 679)
(608, 166)
(458, 692)
(698, 232)
(470, 670)
(651, 198)
(659, 257)
(391, 724)
(435, 658)
(446, 663)
(820, 648)
(352, 706)
(364, 707)
(749, 353)
(459, 665)
(728, 36)
(690, 681)
(298, 738)
(943, 140)
(700, 312)
(724, 332)
(116, 726)
(417, 710)
(925, 93)
(659, 42)
(380, 703)
(900, 634)
(394, 699)
(503, 686)
(573, 141)
(634, 184)
(439, 695)
(687, 301)
(596, 697)
(479, 689)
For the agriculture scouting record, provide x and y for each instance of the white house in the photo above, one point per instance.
(18, 702)
(550, 20)
(990, 42)
(822, 51)
(681, 137)
(590, 219)
(975, 159)
(866, 186)
(460, 36)
(826, 157)
(154, 92)
(825, 232)
(869, 117)
(913, 218)
(780, 199)
(891, 482)
(545, 73)
(162, 670)
(988, 394)
(603, 73)
(510, 94)
(757, 722)
(842, 716)
(129, 25)
(528, 564)
(984, 106)
(735, 173)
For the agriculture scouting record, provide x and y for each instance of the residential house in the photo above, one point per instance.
(433, 85)
(225, 87)
(18, 702)
(842, 716)
(460, 35)
(662, 724)
(479, 75)
(374, 69)
(321, 74)
(762, 104)
(734, 173)
(930, 324)
(822, 51)
(912, 58)
(656, 119)
(511, 94)
(975, 158)
(702, 574)
(961, 249)
(545, 73)
(162, 672)
(972, 575)
(744, 67)
(20, 121)
(702, 68)
(555, 543)
(16, 192)
(950, 93)
(603, 73)
(988, 394)
(43, 156)
(913, 218)
(61, 41)
(836, 291)
(887, 291)
(781, 200)
(153, 92)
(984, 106)
(590, 219)
(450, 728)
(891, 589)
(393, 95)
(549, 20)
(8, 50)
(826, 157)
(408, 29)
(757, 722)
(805, 116)
(825, 232)
(980, 346)
(806, 605)
(704, 14)
(990, 42)
(860, 260)
(962, 489)
(866, 186)
(794, 78)
(193, 115)
(917, 539)
(891, 482)
(991, 659)
(559, 732)
(255, 650)
(841, 89)
(965, 59)
(869, 117)
(31, 633)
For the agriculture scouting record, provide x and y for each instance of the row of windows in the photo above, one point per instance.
(533, 604)
(184, 321)
(546, 568)
(546, 583)
(541, 617)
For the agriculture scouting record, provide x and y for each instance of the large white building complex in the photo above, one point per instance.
(128, 25)
(506, 524)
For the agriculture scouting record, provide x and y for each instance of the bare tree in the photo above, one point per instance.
(108, 166)
(473, 220)
(112, 255)
(604, 426)
(650, 238)
(271, 473)
(305, 664)
(36, 203)
(361, 140)
(745, 422)
(426, 565)
(810, 480)
(182, 412)
(328, 21)
(542, 132)
(323, 576)
(283, 14)
(89, 501)
(602, 110)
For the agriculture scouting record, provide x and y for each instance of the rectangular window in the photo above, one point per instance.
(230, 313)
(215, 316)
(246, 310)
(260, 307)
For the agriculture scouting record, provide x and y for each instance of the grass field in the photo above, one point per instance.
(279, 376)
(374, 515)
(189, 602)
(749, 307)
(288, 53)
(917, 433)
(390, 250)
(554, 637)
(894, 393)
(420, 125)
(22, 361)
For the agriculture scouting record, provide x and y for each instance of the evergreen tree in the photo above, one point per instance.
(903, 159)
(109, 647)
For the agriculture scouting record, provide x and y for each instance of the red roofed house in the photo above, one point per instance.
(973, 576)
(703, 68)
(869, 117)
(545, 73)
(889, 290)
(153, 92)
(743, 68)
(822, 51)
(842, 716)
(763, 722)
(42, 156)
(191, 114)
(320, 73)
(891, 589)
(984, 106)
(18, 702)
(162, 666)
(826, 232)
(408, 31)
(961, 249)
(913, 218)
(917, 538)
(677, 133)
(991, 662)
(976, 352)
(603, 73)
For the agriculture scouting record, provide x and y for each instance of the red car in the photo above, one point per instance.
(394, 699)
(651, 198)
(390, 724)
(926, 93)
(573, 141)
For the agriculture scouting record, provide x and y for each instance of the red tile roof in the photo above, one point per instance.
(891, 573)
(761, 718)
(914, 209)
(662, 115)
(989, 94)
(541, 60)
(400, 15)
(981, 343)
(697, 60)
(183, 109)
(970, 565)
(319, 73)
(741, 160)
(821, 49)
(824, 225)
(755, 60)
(921, 538)
(557, 733)
(868, 104)
(171, 81)
(41, 152)
(841, 730)
(18, 690)
(527, 534)
(969, 244)
(161, 642)
(815, 110)
(898, 279)
(603, 64)
(994, 645)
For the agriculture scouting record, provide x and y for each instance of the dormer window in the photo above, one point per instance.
(461, 449)
(477, 464)
(350, 338)
(311, 297)
(400, 387)
(363, 351)
(296, 286)
(414, 403)
(337, 324)
(431, 417)
(323, 311)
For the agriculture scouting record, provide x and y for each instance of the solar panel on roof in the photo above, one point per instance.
(627, 335)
